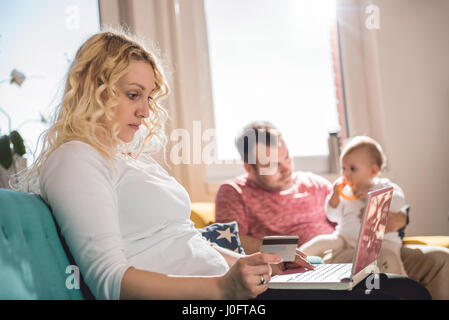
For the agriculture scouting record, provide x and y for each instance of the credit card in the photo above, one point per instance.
(283, 246)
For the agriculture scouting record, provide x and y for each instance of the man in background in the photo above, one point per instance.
(271, 199)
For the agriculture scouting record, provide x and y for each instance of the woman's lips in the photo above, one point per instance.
(134, 126)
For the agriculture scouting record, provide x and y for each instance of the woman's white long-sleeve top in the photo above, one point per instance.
(129, 214)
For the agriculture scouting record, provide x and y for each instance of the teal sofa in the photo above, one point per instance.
(35, 262)
(33, 257)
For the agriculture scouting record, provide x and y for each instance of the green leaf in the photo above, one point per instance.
(17, 141)
(5, 152)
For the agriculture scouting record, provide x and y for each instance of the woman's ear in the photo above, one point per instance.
(104, 96)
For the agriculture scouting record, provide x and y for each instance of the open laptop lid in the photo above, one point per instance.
(372, 230)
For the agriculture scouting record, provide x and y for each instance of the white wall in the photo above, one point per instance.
(405, 69)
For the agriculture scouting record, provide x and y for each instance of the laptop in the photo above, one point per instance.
(345, 276)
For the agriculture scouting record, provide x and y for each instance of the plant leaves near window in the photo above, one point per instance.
(5, 152)
(17, 141)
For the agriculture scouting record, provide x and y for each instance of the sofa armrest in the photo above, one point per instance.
(202, 214)
(442, 241)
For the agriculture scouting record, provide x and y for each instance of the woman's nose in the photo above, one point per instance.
(143, 111)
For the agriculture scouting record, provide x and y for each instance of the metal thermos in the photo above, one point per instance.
(334, 152)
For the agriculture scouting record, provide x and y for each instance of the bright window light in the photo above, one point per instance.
(271, 60)
(39, 39)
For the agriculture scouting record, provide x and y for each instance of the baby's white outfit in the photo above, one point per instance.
(347, 217)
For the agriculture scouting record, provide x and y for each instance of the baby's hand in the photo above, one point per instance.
(334, 200)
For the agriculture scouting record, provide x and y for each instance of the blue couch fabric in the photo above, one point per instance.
(32, 258)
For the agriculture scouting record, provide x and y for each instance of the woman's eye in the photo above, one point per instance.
(133, 96)
(353, 169)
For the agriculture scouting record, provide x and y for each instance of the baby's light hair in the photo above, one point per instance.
(371, 145)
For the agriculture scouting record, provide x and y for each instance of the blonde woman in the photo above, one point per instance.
(126, 221)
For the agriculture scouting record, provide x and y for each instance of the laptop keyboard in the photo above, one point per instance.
(324, 273)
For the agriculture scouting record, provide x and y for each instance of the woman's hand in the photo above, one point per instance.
(300, 261)
(248, 277)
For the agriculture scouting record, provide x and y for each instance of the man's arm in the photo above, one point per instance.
(397, 217)
(396, 221)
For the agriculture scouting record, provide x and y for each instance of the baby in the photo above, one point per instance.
(362, 159)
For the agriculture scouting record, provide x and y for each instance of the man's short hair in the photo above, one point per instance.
(253, 133)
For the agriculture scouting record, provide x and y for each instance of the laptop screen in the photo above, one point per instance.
(372, 231)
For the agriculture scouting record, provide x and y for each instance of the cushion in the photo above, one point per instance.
(33, 263)
(225, 235)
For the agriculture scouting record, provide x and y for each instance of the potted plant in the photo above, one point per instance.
(9, 146)
(12, 146)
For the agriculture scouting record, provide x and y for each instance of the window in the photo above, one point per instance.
(276, 61)
(39, 39)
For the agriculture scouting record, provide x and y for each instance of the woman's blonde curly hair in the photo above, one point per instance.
(99, 63)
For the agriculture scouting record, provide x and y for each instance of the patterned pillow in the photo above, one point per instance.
(226, 235)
